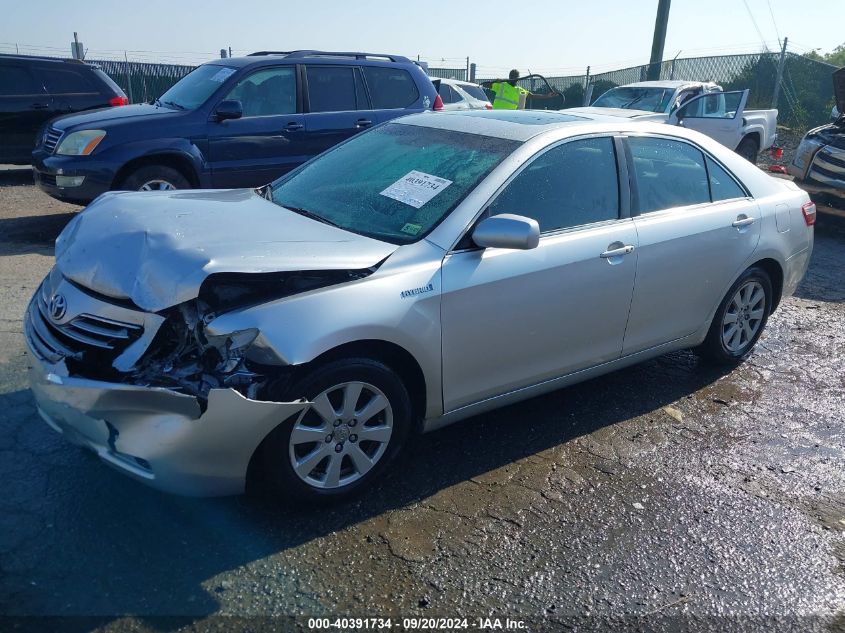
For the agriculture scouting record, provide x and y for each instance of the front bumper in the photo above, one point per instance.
(160, 437)
(98, 176)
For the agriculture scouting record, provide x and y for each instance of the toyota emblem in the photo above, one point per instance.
(58, 307)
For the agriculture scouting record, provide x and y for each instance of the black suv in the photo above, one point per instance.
(238, 122)
(33, 90)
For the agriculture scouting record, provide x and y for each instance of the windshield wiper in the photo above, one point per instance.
(310, 214)
(173, 103)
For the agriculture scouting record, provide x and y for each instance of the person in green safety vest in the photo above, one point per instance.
(509, 96)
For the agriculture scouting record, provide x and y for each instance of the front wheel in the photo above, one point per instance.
(155, 178)
(740, 318)
(359, 420)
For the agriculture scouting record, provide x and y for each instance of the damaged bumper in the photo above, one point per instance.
(158, 436)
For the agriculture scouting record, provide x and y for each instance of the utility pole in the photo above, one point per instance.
(76, 48)
(128, 77)
(781, 64)
(230, 51)
(588, 88)
(660, 24)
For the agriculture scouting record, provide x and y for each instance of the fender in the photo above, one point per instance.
(125, 153)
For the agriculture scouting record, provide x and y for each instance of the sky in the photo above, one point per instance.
(553, 37)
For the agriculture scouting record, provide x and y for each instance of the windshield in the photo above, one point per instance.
(394, 183)
(648, 99)
(196, 87)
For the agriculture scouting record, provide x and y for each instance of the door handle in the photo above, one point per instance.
(293, 126)
(363, 123)
(39, 106)
(617, 252)
(740, 222)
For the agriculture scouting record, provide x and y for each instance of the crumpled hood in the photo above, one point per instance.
(156, 248)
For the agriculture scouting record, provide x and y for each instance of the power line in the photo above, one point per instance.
(754, 22)
(774, 22)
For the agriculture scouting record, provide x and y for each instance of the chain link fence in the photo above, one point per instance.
(141, 81)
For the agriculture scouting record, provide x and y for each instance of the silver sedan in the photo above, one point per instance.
(433, 268)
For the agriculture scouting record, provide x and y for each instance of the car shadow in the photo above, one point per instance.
(116, 546)
(31, 233)
(823, 281)
(16, 176)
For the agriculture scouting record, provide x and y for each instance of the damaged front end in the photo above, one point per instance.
(156, 395)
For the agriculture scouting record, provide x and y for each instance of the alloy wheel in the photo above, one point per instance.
(342, 436)
(743, 316)
(157, 185)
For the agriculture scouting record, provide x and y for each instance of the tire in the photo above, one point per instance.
(744, 305)
(319, 457)
(748, 149)
(155, 178)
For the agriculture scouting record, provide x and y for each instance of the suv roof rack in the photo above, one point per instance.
(353, 55)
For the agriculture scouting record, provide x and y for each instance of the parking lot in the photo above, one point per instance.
(668, 489)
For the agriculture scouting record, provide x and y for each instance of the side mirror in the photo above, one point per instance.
(507, 231)
(229, 109)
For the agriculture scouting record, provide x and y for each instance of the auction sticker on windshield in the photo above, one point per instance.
(416, 188)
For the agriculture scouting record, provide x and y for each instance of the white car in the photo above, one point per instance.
(461, 95)
(700, 106)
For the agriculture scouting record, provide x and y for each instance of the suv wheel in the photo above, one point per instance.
(359, 421)
(155, 178)
(740, 319)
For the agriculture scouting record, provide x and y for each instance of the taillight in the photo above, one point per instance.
(118, 101)
(487, 106)
(438, 104)
(809, 211)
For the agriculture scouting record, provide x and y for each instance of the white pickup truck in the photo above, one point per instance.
(701, 106)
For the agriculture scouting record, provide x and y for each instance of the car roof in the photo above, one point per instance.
(515, 125)
(670, 83)
(335, 57)
(455, 82)
(38, 58)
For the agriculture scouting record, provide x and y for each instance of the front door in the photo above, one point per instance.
(716, 114)
(696, 229)
(268, 140)
(514, 318)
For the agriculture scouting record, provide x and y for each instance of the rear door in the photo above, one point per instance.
(717, 114)
(24, 107)
(696, 227)
(268, 140)
(337, 105)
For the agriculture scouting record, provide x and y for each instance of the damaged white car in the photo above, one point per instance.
(430, 269)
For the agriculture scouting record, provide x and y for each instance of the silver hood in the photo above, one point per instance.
(156, 249)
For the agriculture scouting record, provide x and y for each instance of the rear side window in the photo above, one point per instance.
(722, 186)
(15, 80)
(572, 184)
(390, 87)
(477, 92)
(331, 88)
(267, 92)
(448, 94)
(67, 81)
(669, 174)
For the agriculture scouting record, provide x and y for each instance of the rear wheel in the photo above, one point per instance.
(155, 178)
(359, 420)
(748, 149)
(740, 318)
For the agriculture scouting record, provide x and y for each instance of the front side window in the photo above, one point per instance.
(717, 105)
(477, 92)
(448, 94)
(569, 185)
(668, 173)
(390, 87)
(394, 183)
(331, 88)
(196, 87)
(267, 92)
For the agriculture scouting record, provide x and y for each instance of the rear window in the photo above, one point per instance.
(669, 174)
(111, 85)
(476, 92)
(15, 80)
(64, 81)
(448, 94)
(390, 87)
(394, 183)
